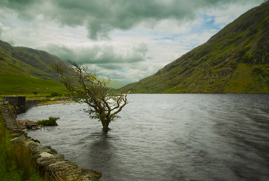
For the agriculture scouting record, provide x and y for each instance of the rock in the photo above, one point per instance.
(31, 125)
(61, 157)
(45, 154)
(54, 151)
(20, 138)
(34, 140)
(49, 147)
(43, 162)
(27, 124)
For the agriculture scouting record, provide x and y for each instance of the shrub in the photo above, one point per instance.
(50, 122)
(54, 94)
(35, 92)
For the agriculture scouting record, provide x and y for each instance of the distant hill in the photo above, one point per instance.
(235, 60)
(117, 84)
(24, 70)
(114, 84)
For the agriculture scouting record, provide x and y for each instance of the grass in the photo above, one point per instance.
(14, 84)
(16, 159)
(22, 85)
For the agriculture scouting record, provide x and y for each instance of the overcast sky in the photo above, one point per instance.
(124, 40)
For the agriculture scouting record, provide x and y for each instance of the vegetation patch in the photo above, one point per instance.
(47, 122)
(14, 84)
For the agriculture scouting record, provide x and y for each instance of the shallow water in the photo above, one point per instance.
(166, 137)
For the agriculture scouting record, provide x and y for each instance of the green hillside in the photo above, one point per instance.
(235, 60)
(26, 61)
(15, 84)
(24, 70)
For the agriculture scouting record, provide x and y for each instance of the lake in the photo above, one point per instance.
(166, 137)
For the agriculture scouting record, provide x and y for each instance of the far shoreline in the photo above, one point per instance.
(54, 102)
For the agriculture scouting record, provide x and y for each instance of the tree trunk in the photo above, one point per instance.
(105, 126)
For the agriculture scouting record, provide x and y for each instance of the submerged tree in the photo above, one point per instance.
(85, 87)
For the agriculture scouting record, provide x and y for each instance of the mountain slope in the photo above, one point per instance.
(26, 61)
(235, 60)
(24, 70)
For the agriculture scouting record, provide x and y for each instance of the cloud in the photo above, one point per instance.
(1, 30)
(102, 16)
(126, 72)
(5, 34)
(223, 14)
(111, 66)
(99, 54)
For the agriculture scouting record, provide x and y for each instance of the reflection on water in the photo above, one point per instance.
(166, 137)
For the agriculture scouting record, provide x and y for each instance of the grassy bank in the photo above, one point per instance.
(14, 84)
(16, 159)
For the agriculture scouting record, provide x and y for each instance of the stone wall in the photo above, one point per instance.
(31, 103)
(47, 159)
(17, 101)
(9, 117)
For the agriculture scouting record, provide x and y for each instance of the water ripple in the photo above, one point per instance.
(166, 137)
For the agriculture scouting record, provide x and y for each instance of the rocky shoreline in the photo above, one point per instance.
(48, 161)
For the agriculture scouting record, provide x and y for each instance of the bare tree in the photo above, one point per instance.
(85, 87)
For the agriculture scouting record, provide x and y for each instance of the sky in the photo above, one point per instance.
(124, 40)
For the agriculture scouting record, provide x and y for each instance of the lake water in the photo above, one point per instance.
(166, 137)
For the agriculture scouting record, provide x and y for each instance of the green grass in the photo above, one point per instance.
(16, 159)
(14, 85)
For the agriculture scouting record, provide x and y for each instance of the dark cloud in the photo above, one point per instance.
(99, 54)
(24, 9)
(102, 16)
(111, 66)
(18, 4)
